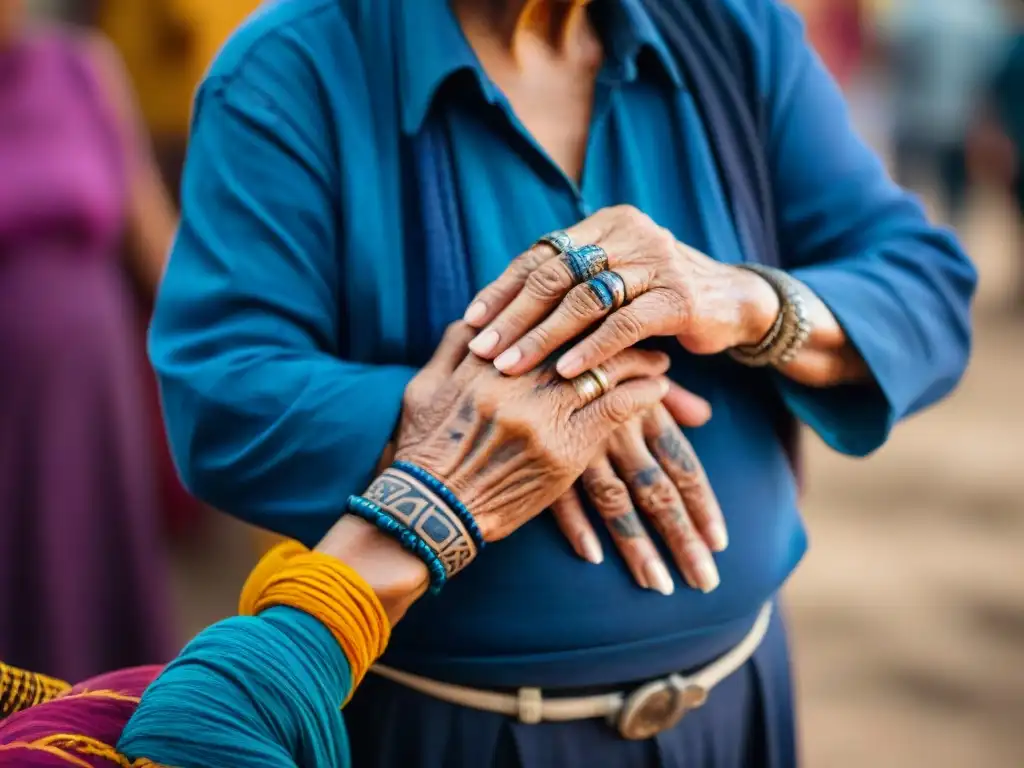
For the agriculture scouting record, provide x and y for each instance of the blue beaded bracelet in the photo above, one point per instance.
(447, 497)
(410, 542)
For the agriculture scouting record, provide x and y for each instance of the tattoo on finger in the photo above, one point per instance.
(647, 477)
(676, 450)
(628, 525)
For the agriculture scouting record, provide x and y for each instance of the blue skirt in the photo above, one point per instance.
(747, 722)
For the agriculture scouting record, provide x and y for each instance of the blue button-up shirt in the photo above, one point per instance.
(280, 330)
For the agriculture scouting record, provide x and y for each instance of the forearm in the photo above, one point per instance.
(396, 577)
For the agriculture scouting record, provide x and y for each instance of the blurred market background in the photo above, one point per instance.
(909, 610)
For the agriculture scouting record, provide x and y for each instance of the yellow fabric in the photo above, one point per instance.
(165, 81)
(328, 590)
(20, 689)
(68, 747)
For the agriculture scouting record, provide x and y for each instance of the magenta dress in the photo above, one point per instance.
(82, 570)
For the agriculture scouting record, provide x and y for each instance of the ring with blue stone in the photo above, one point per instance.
(559, 240)
(585, 262)
(608, 288)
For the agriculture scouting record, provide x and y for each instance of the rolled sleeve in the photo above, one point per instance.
(265, 421)
(900, 287)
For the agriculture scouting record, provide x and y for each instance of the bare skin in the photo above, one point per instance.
(507, 447)
(545, 55)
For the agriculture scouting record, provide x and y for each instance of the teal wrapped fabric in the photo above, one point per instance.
(260, 692)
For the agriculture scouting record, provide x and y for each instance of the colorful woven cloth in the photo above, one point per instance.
(261, 690)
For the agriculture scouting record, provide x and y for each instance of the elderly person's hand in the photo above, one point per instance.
(640, 281)
(509, 447)
(648, 466)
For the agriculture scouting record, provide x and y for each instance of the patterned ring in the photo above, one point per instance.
(559, 240)
(585, 262)
(588, 387)
(609, 288)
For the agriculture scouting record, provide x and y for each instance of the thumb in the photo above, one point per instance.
(688, 409)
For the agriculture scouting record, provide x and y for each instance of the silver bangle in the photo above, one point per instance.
(790, 330)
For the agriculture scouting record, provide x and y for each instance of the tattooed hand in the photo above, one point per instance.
(508, 447)
(649, 469)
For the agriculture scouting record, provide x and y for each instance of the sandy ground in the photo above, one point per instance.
(908, 613)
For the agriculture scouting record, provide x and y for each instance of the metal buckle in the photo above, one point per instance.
(658, 706)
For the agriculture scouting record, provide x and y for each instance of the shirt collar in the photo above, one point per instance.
(432, 48)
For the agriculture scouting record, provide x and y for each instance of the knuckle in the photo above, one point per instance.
(626, 327)
(417, 392)
(536, 340)
(632, 217)
(529, 260)
(548, 283)
(583, 302)
(458, 332)
(606, 491)
(662, 494)
(618, 406)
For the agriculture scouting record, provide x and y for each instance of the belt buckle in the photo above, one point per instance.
(658, 706)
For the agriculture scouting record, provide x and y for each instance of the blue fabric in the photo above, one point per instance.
(287, 325)
(747, 722)
(263, 692)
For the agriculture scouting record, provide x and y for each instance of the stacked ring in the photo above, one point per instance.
(559, 240)
(585, 262)
(609, 288)
(591, 384)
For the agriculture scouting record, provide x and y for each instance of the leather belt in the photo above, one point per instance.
(652, 708)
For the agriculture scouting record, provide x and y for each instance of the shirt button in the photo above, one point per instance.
(586, 209)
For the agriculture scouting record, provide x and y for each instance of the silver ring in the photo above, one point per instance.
(559, 240)
(588, 387)
(609, 288)
(601, 377)
(585, 262)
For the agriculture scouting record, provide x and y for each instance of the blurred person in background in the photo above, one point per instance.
(167, 46)
(82, 574)
(837, 31)
(997, 137)
(940, 54)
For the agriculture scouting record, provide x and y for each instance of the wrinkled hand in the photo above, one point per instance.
(508, 447)
(648, 467)
(534, 307)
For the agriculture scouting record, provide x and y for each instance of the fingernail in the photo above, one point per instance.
(719, 537)
(590, 548)
(508, 358)
(484, 343)
(658, 577)
(708, 575)
(568, 364)
(664, 386)
(475, 313)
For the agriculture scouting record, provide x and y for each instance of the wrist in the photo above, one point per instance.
(397, 577)
(759, 308)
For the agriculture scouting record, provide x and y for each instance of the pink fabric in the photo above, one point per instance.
(98, 708)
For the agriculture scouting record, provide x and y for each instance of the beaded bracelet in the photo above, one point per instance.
(411, 543)
(447, 497)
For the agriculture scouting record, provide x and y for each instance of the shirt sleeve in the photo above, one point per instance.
(900, 287)
(265, 421)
